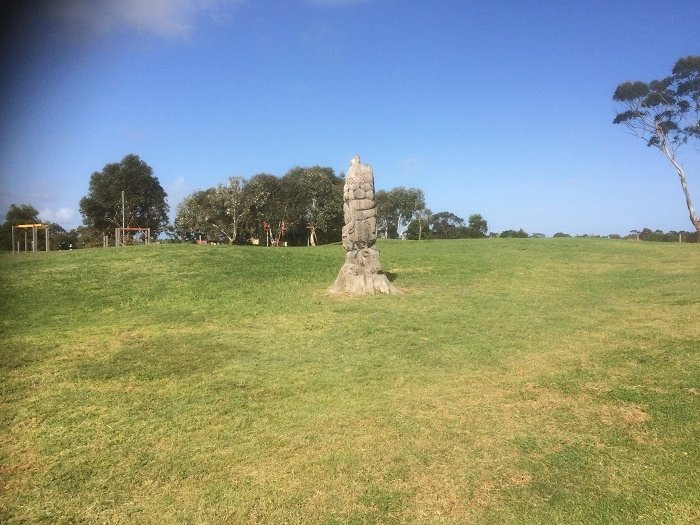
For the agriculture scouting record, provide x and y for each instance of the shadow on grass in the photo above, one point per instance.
(391, 276)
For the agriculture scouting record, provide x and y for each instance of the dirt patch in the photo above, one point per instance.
(627, 414)
(633, 415)
(521, 478)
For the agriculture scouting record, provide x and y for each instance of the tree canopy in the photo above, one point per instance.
(477, 226)
(665, 114)
(314, 198)
(518, 234)
(396, 208)
(145, 199)
(446, 225)
(305, 199)
(17, 214)
(214, 213)
(22, 214)
(419, 227)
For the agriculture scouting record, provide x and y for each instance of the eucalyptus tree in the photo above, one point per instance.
(191, 218)
(17, 214)
(419, 227)
(385, 225)
(229, 200)
(144, 200)
(665, 114)
(266, 204)
(397, 208)
(215, 213)
(446, 225)
(314, 202)
(477, 227)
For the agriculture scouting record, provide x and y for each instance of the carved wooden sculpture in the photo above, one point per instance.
(362, 273)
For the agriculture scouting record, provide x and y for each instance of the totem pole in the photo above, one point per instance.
(361, 273)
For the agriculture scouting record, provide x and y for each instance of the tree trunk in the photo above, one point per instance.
(681, 174)
(224, 232)
(230, 239)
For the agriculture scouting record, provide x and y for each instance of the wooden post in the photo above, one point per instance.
(34, 238)
(46, 236)
(13, 241)
(25, 241)
(123, 224)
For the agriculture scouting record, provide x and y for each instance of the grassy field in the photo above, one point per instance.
(515, 381)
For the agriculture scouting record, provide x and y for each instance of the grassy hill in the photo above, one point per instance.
(515, 381)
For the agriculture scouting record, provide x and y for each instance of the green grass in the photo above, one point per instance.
(515, 381)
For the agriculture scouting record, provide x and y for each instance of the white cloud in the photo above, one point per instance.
(60, 216)
(165, 18)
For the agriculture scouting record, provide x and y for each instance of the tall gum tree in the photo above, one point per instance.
(396, 208)
(215, 213)
(227, 208)
(666, 114)
(144, 198)
(314, 197)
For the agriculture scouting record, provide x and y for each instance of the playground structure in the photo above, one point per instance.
(35, 234)
(268, 232)
(270, 238)
(121, 235)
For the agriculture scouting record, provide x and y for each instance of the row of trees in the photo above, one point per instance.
(647, 234)
(446, 225)
(306, 200)
(424, 225)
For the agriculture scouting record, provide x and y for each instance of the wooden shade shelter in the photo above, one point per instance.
(35, 234)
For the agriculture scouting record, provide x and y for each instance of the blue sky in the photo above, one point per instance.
(499, 108)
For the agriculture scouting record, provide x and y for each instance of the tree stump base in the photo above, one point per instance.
(362, 275)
